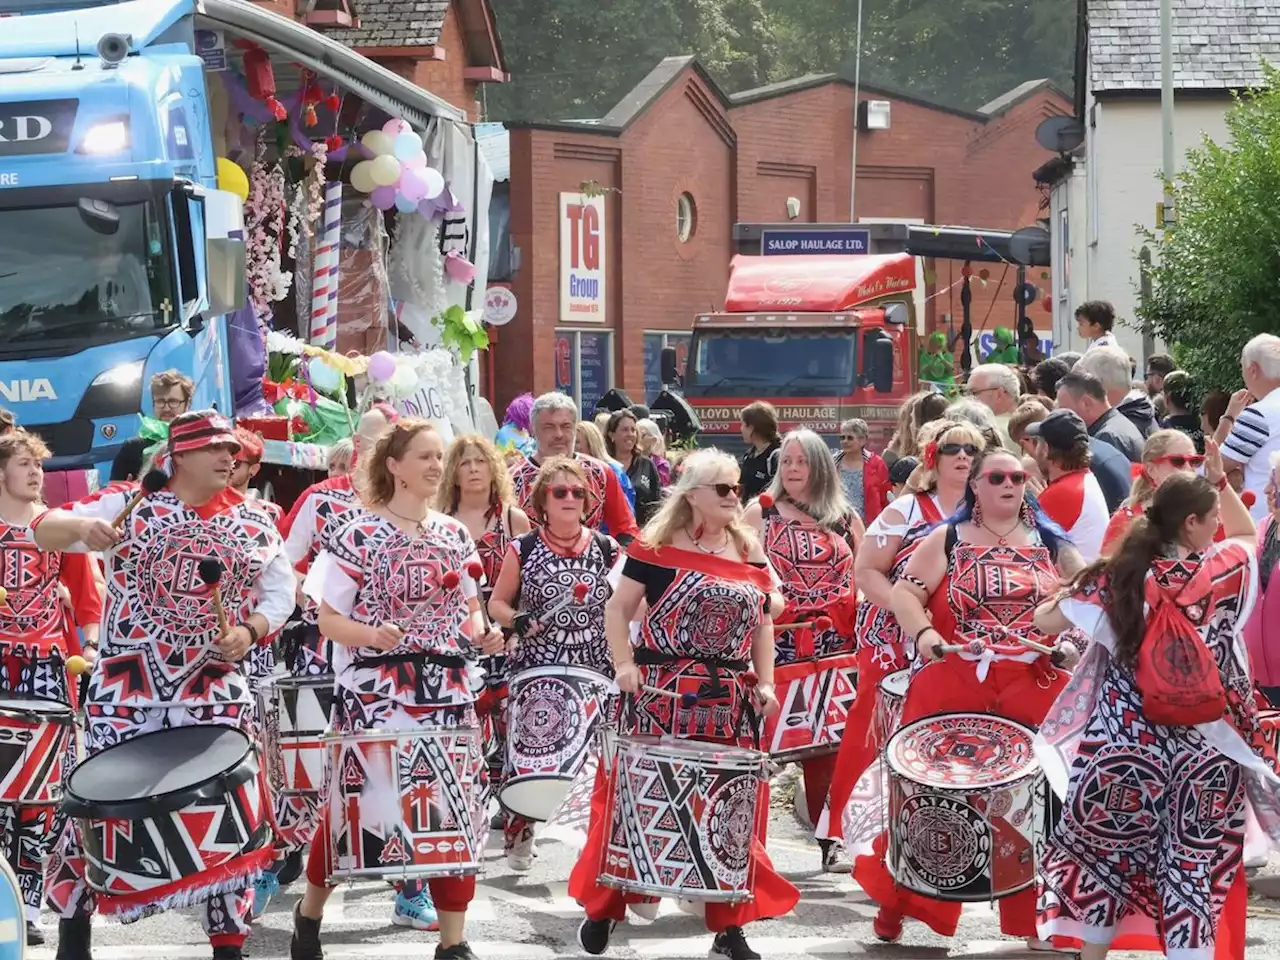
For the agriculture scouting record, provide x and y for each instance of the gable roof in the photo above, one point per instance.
(1011, 98)
(1217, 44)
(655, 83)
(395, 23)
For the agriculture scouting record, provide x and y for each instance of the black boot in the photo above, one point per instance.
(305, 943)
(75, 938)
(227, 953)
(35, 936)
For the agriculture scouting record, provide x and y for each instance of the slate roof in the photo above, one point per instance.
(1217, 44)
(395, 23)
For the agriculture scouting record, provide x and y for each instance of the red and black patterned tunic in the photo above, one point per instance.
(607, 504)
(492, 545)
(815, 566)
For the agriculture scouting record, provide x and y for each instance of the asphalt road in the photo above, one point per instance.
(530, 917)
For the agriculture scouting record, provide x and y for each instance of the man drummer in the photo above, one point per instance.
(166, 661)
(554, 418)
(36, 636)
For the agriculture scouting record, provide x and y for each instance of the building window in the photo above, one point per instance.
(686, 217)
(584, 366)
(653, 343)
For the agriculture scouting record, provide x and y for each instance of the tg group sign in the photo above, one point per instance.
(582, 259)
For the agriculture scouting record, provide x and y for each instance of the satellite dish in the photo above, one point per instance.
(1060, 134)
(1029, 247)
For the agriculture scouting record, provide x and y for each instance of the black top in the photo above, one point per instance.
(648, 486)
(758, 469)
(1189, 424)
(128, 462)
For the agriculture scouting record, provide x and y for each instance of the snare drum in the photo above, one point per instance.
(892, 695)
(36, 739)
(168, 814)
(815, 697)
(967, 807)
(683, 816)
(553, 713)
(295, 715)
(406, 803)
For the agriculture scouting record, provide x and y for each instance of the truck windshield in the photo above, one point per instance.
(60, 280)
(771, 362)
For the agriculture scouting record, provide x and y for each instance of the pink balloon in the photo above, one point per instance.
(382, 367)
(413, 184)
(416, 162)
(384, 198)
(393, 128)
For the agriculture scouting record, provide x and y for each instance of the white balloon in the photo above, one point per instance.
(362, 177)
(435, 182)
(378, 143)
(385, 170)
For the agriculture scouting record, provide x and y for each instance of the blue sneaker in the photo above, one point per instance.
(416, 911)
(264, 888)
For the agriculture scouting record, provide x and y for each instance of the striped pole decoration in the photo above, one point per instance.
(324, 282)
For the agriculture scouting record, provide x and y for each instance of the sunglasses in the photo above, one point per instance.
(562, 493)
(1178, 461)
(997, 478)
(951, 449)
(725, 489)
(845, 436)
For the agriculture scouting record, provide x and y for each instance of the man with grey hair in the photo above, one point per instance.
(553, 420)
(996, 387)
(1112, 368)
(1084, 394)
(1253, 419)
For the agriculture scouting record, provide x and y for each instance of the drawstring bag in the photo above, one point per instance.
(1177, 675)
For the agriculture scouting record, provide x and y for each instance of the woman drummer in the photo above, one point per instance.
(994, 561)
(708, 594)
(476, 490)
(1165, 454)
(539, 570)
(1156, 796)
(935, 490)
(810, 534)
(406, 640)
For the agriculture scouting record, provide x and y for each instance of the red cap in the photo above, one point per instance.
(206, 428)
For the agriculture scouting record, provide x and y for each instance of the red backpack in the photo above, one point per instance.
(1177, 675)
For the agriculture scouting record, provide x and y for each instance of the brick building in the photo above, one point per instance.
(677, 162)
(448, 47)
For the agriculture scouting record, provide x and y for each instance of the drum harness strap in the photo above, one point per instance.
(714, 687)
(419, 658)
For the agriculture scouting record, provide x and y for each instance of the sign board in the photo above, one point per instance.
(499, 306)
(565, 360)
(582, 259)
(987, 343)
(593, 369)
(36, 126)
(428, 404)
(13, 917)
(211, 47)
(809, 242)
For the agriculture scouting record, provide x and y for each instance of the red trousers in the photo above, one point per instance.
(774, 896)
(1022, 692)
(858, 747)
(818, 773)
(449, 894)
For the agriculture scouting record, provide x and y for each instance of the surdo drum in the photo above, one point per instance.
(35, 738)
(682, 818)
(967, 807)
(406, 803)
(169, 812)
(554, 713)
(892, 695)
(295, 715)
(815, 697)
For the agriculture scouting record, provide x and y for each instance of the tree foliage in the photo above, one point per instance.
(1216, 278)
(574, 59)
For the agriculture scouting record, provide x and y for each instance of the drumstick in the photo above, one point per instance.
(210, 569)
(153, 482)
(686, 699)
(1037, 647)
(76, 665)
(822, 624)
(475, 570)
(577, 595)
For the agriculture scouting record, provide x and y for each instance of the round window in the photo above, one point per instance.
(686, 217)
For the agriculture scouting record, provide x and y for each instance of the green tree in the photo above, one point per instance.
(1215, 281)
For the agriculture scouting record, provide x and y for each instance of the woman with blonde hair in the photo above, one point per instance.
(654, 446)
(1165, 453)
(707, 593)
(810, 533)
(903, 442)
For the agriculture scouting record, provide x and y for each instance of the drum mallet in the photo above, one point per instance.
(4, 594)
(1037, 647)
(152, 482)
(475, 570)
(821, 625)
(210, 569)
(76, 665)
(688, 699)
(577, 595)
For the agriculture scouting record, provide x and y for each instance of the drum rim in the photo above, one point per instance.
(376, 733)
(561, 670)
(292, 681)
(44, 707)
(143, 808)
(677, 744)
(883, 684)
(1031, 768)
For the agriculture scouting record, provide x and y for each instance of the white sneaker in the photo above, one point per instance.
(647, 910)
(520, 856)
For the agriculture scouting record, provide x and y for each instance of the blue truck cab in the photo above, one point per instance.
(119, 257)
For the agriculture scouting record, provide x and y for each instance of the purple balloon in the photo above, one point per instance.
(384, 198)
(413, 184)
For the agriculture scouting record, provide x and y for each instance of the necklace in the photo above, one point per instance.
(556, 540)
(1002, 539)
(713, 551)
(418, 522)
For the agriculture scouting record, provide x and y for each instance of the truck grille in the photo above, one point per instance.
(69, 439)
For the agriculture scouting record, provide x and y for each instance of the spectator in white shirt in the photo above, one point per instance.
(1252, 421)
(1072, 498)
(997, 387)
(1094, 320)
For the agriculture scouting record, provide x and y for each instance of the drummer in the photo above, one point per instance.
(405, 642)
(993, 562)
(810, 534)
(539, 569)
(34, 644)
(155, 598)
(476, 491)
(934, 490)
(707, 620)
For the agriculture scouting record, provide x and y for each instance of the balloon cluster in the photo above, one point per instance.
(396, 375)
(397, 175)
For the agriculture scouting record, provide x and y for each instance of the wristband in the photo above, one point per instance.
(923, 631)
(252, 632)
(1227, 416)
(1221, 483)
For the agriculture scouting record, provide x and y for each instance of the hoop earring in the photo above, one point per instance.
(1026, 515)
(977, 514)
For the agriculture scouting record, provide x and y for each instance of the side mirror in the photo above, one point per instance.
(668, 363)
(99, 216)
(896, 313)
(224, 252)
(880, 360)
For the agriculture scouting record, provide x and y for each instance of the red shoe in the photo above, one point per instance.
(888, 925)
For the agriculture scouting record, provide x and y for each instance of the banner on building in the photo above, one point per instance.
(582, 259)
